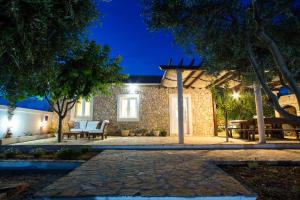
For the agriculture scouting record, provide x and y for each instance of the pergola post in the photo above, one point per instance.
(259, 113)
(180, 106)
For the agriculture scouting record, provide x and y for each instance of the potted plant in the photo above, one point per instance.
(163, 133)
(156, 132)
(125, 132)
(138, 132)
(144, 132)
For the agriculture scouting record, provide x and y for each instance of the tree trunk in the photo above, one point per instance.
(59, 128)
(259, 113)
(61, 108)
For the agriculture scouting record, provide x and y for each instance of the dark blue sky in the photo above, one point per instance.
(124, 30)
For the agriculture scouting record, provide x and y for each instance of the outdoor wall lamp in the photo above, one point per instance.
(44, 121)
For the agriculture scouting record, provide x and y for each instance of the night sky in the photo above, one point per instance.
(124, 30)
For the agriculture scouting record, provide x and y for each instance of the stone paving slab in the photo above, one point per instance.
(148, 174)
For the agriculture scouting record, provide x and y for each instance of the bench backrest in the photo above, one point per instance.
(92, 125)
(104, 125)
(82, 124)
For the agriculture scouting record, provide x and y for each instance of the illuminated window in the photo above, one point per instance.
(128, 107)
(83, 108)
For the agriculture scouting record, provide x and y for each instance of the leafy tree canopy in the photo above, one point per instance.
(259, 39)
(242, 107)
(84, 71)
(43, 52)
(33, 34)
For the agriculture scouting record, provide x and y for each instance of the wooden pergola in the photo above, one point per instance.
(194, 76)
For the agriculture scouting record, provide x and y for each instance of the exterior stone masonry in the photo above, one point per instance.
(288, 100)
(154, 109)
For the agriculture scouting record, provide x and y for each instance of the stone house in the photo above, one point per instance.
(144, 103)
(150, 102)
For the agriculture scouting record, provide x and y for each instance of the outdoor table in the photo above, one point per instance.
(249, 133)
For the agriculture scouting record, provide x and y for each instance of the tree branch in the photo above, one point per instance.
(283, 83)
(49, 102)
(296, 72)
(72, 103)
(277, 56)
(58, 106)
(271, 96)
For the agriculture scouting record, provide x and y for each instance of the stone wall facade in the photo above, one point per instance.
(288, 100)
(154, 109)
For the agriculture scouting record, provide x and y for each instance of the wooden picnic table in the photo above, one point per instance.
(248, 128)
(250, 133)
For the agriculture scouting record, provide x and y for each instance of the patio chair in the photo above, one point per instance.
(76, 128)
(94, 130)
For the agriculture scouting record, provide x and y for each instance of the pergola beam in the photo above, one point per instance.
(188, 77)
(191, 66)
(219, 81)
(195, 79)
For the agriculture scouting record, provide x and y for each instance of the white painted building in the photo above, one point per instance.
(25, 122)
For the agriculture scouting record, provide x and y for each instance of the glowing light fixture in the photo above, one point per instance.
(43, 123)
(236, 95)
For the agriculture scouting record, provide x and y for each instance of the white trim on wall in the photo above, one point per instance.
(77, 118)
(136, 119)
(190, 112)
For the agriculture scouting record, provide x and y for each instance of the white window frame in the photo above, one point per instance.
(74, 112)
(122, 119)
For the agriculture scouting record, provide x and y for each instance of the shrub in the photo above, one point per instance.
(38, 152)
(11, 153)
(163, 133)
(150, 134)
(67, 154)
(252, 165)
(52, 131)
(144, 131)
(138, 132)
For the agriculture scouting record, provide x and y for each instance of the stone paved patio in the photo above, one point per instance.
(159, 173)
(191, 140)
